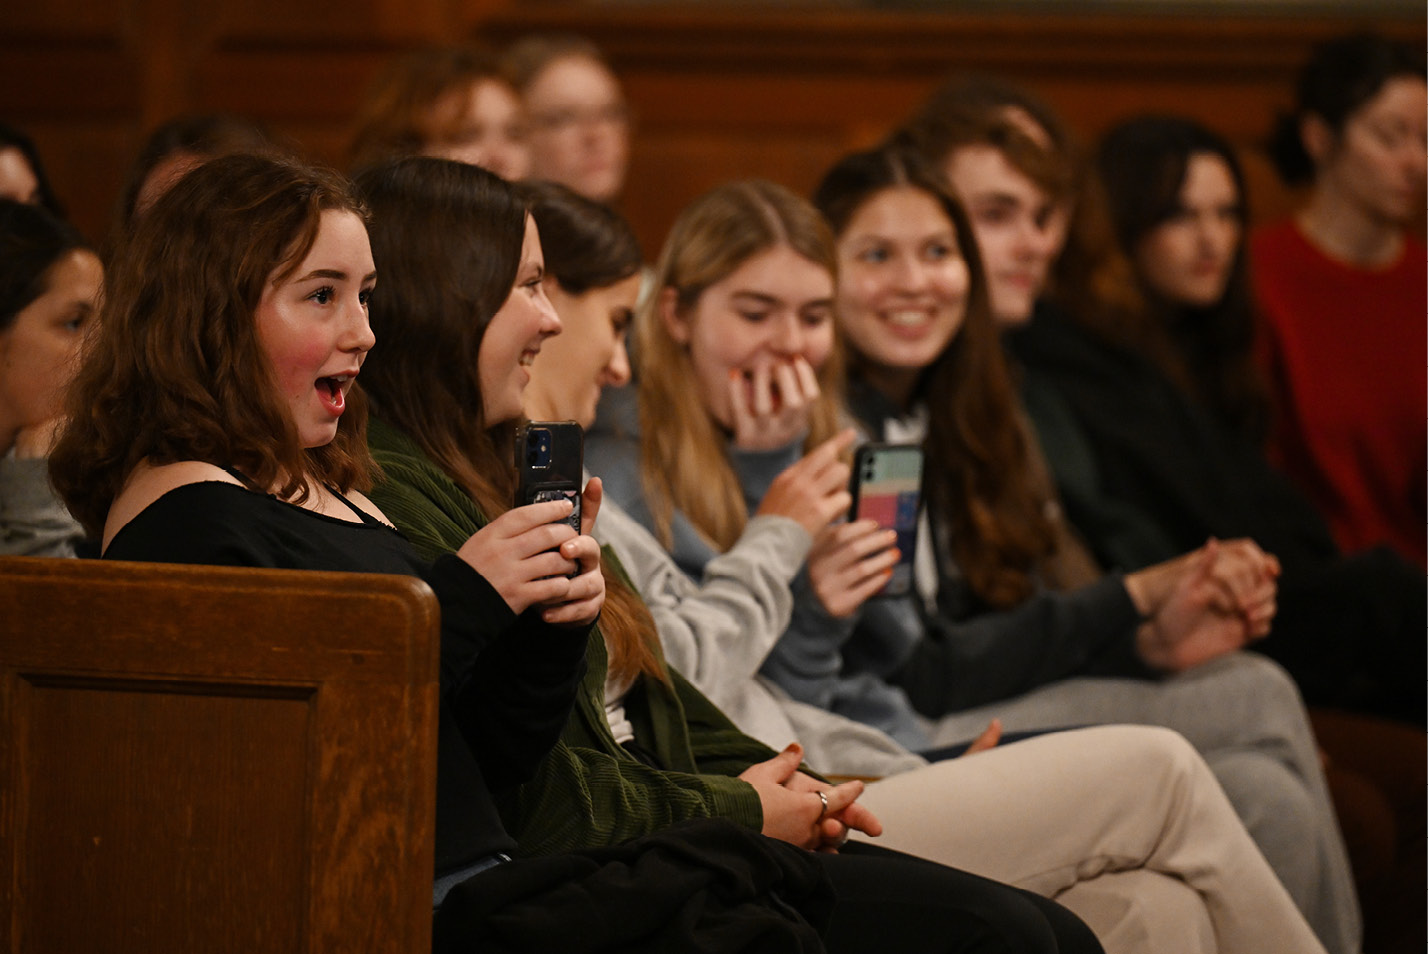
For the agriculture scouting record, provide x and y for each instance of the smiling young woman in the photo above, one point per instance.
(986, 814)
(751, 258)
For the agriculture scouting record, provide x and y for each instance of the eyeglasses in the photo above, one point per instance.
(562, 120)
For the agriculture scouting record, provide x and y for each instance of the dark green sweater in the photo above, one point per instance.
(589, 791)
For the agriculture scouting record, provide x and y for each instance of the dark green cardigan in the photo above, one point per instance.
(589, 790)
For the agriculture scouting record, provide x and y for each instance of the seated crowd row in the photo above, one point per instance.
(644, 717)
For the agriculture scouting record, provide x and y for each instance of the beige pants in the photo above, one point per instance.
(1125, 825)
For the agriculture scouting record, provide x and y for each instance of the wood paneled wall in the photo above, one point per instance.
(719, 91)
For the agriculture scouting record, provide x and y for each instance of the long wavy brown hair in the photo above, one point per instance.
(684, 463)
(447, 237)
(977, 481)
(175, 370)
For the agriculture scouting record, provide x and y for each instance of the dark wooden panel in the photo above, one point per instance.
(202, 758)
(279, 84)
(743, 38)
(46, 77)
(716, 89)
(94, 74)
(670, 169)
(71, 18)
(110, 798)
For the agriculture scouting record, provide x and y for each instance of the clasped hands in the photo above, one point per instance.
(794, 813)
(1204, 604)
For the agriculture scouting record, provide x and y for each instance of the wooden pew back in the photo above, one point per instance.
(215, 759)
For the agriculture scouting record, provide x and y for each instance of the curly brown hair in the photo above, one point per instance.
(175, 370)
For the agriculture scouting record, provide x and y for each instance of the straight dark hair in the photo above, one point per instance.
(1207, 351)
(12, 138)
(446, 237)
(32, 239)
(587, 244)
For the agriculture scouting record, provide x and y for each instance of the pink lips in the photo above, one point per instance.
(330, 392)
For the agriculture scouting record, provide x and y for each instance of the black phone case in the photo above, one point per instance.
(549, 460)
(886, 486)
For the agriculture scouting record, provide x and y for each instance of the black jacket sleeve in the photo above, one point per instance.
(509, 680)
(961, 664)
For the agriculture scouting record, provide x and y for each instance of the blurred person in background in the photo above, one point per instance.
(49, 288)
(1342, 290)
(448, 103)
(22, 175)
(579, 120)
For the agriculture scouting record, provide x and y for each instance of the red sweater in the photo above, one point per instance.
(1346, 353)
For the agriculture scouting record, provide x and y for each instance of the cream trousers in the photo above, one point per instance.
(1125, 825)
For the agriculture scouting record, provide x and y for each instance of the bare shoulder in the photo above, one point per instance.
(148, 483)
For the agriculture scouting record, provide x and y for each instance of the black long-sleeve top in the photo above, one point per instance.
(507, 681)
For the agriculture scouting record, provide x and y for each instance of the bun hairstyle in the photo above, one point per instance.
(1341, 76)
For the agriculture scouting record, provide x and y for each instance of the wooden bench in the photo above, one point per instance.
(215, 759)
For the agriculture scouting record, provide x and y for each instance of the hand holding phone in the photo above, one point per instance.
(886, 487)
(550, 461)
(525, 553)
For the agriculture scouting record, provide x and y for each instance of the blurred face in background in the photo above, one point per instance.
(164, 175)
(18, 181)
(579, 127)
(1187, 258)
(1380, 158)
(39, 347)
(1019, 229)
(482, 125)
